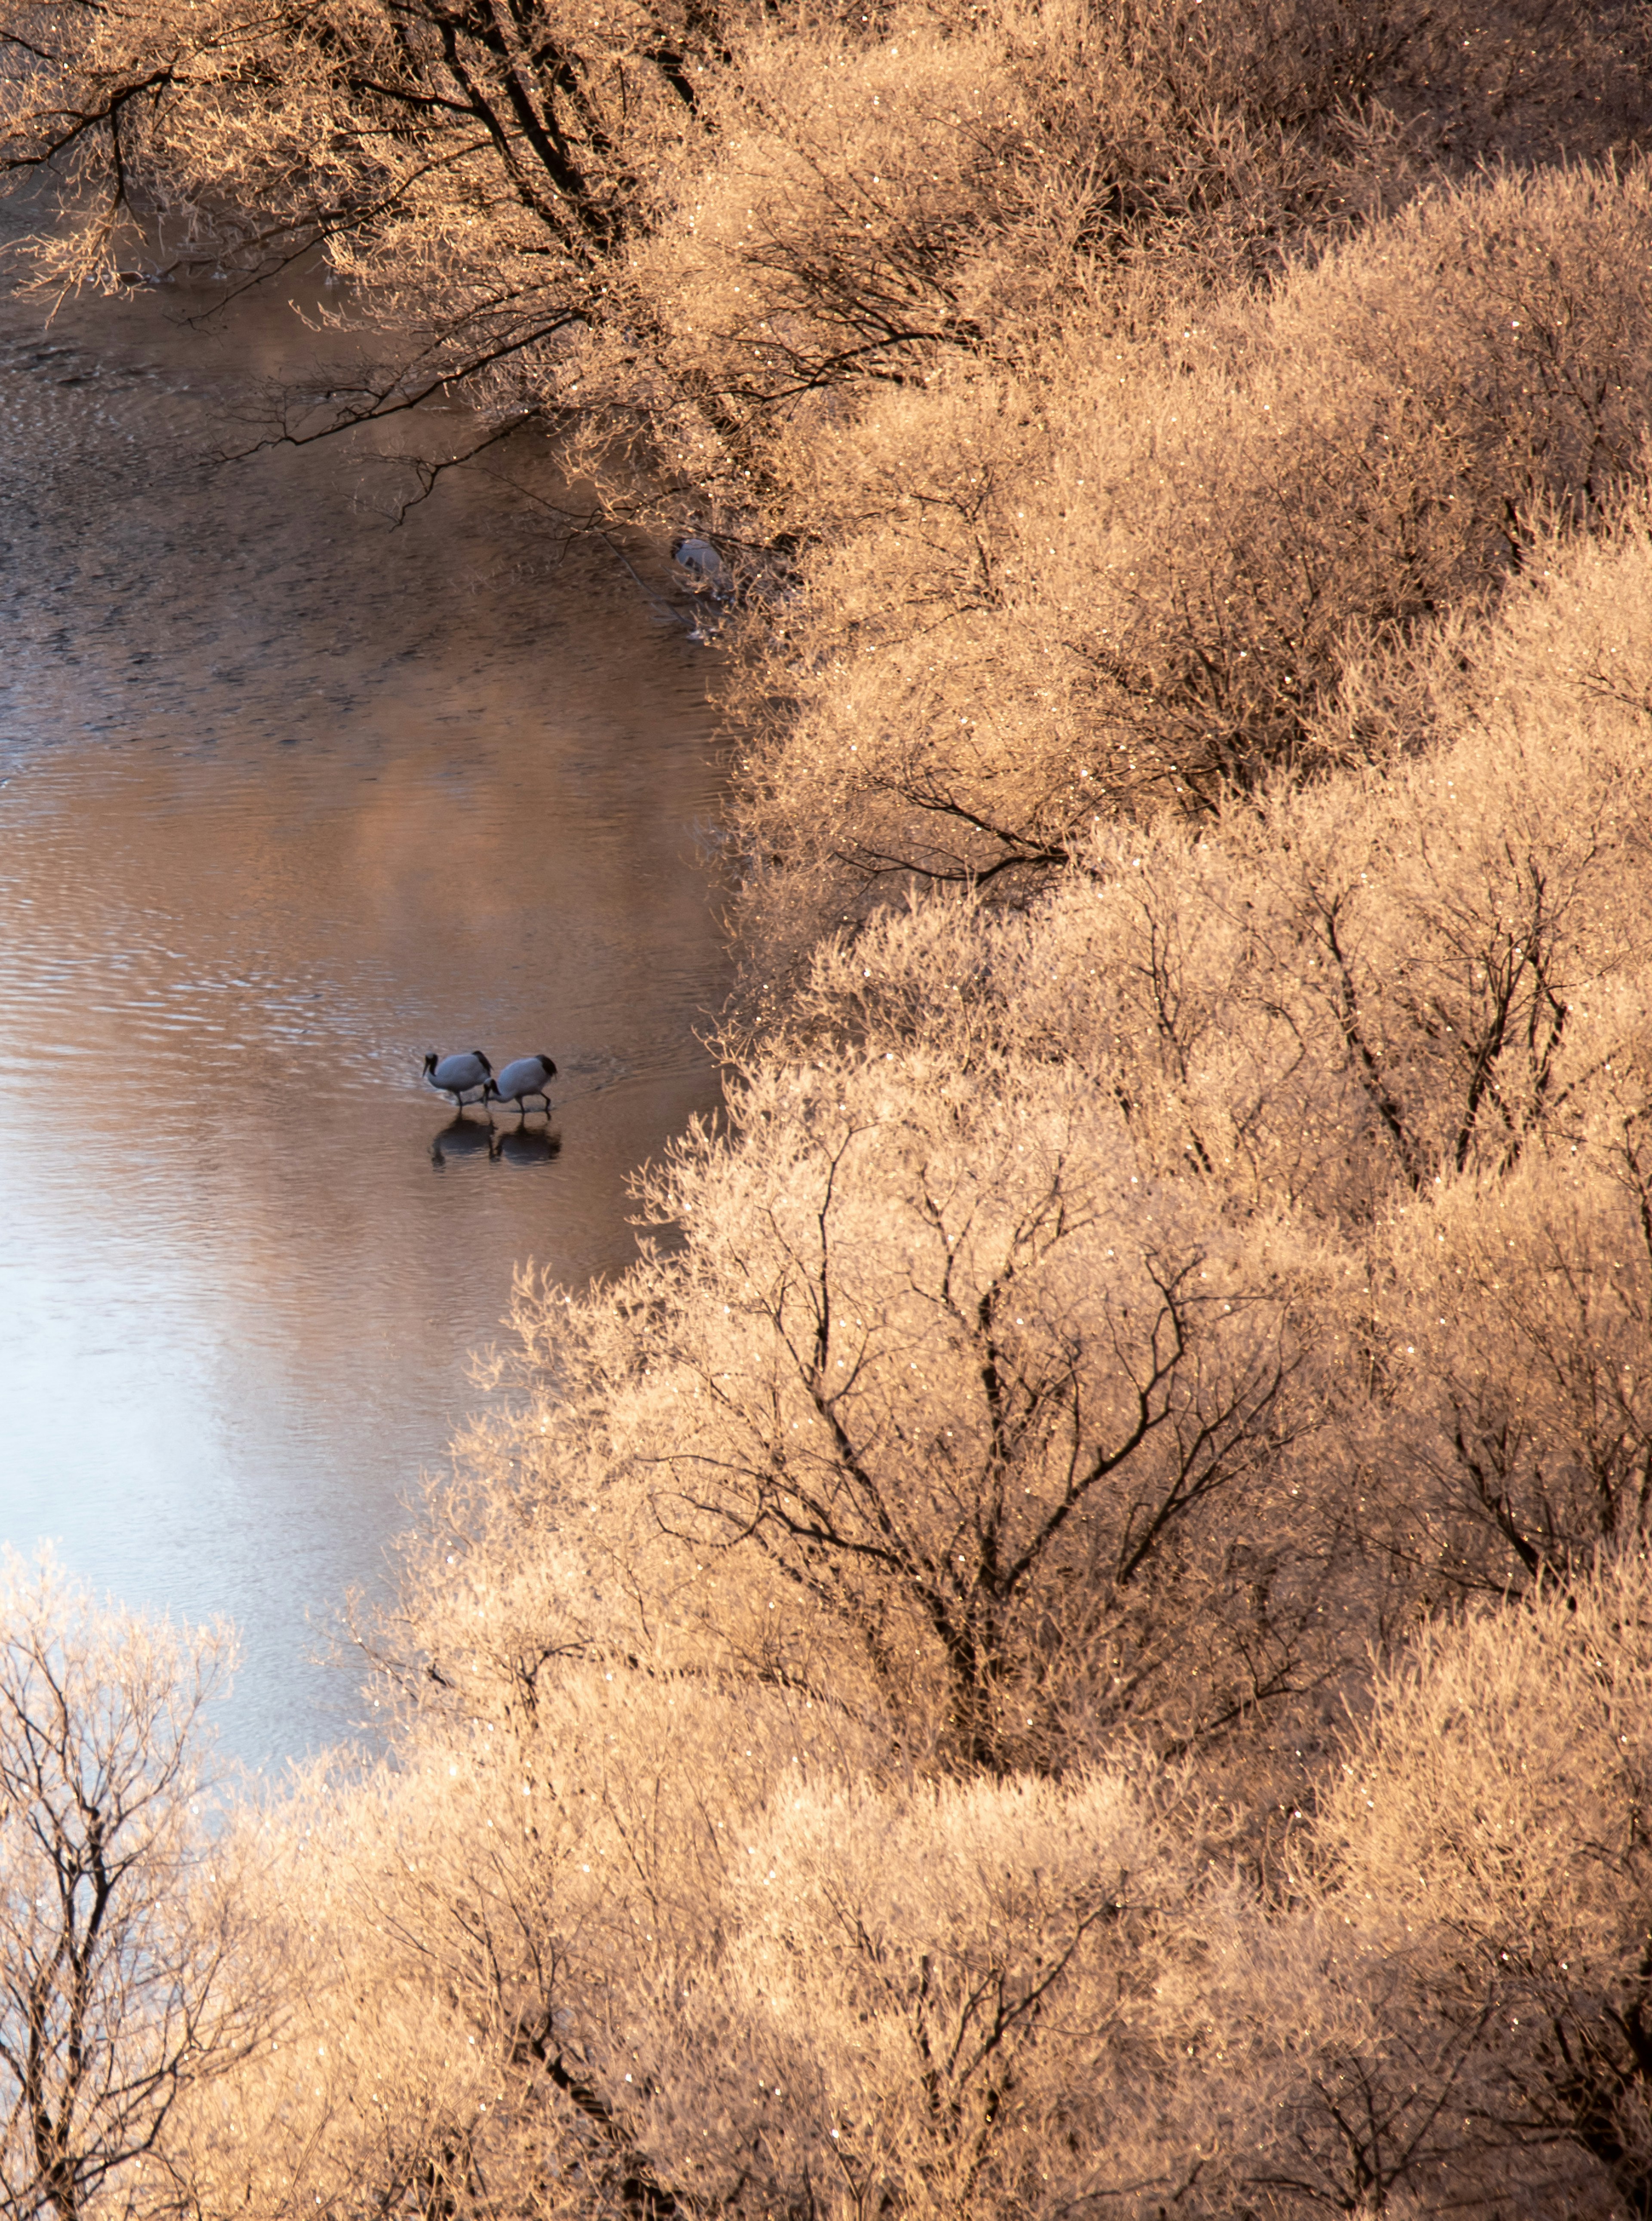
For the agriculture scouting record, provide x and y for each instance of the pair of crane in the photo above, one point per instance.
(469, 1070)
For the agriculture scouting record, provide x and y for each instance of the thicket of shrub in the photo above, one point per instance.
(1143, 576)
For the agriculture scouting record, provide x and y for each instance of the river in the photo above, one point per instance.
(290, 793)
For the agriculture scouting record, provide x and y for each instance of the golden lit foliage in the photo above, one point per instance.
(1524, 1304)
(950, 1999)
(867, 206)
(675, 1947)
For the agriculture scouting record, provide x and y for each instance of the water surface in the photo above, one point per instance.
(290, 794)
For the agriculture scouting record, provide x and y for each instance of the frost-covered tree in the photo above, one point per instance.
(126, 1978)
(947, 1409)
(693, 217)
(1144, 573)
(1489, 1823)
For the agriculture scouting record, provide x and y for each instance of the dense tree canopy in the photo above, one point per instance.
(705, 220)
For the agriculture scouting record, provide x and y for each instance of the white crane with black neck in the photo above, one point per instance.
(457, 1075)
(522, 1077)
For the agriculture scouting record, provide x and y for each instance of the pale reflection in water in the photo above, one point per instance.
(289, 795)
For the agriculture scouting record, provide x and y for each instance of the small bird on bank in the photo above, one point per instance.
(700, 557)
(457, 1075)
(525, 1076)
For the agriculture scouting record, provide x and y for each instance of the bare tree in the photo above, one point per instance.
(121, 1981)
(943, 1404)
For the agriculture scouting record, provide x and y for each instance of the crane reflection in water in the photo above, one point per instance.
(514, 1145)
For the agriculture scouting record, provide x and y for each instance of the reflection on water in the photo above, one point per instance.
(519, 1144)
(527, 1147)
(288, 796)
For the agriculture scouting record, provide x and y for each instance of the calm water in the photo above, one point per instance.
(288, 796)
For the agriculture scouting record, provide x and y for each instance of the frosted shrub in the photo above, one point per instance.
(1409, 1003)
(1411, 968)
(1523, 1308)
(488, 1931)
(1494, 1807)
(870, 205)
(956, 2000)
(1125, 580)
(653, 1954)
